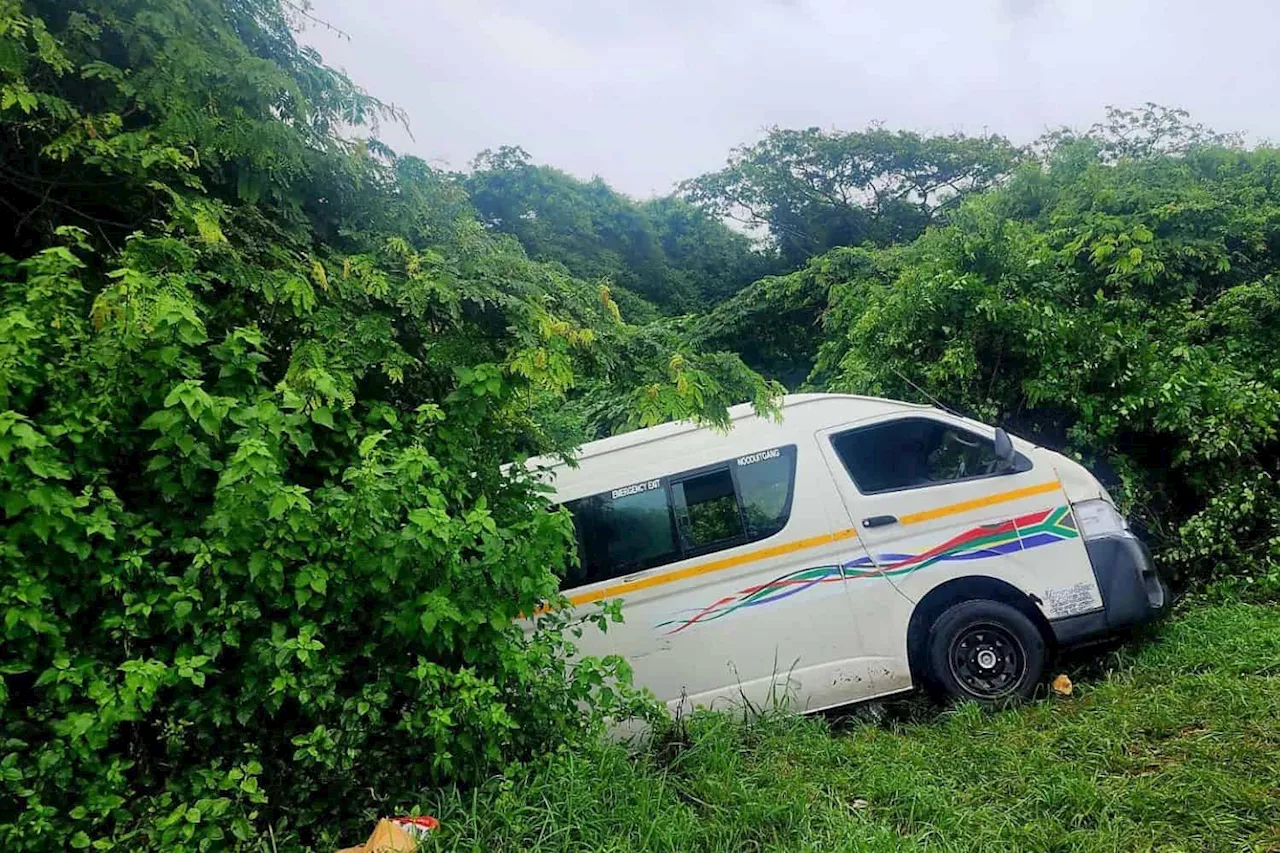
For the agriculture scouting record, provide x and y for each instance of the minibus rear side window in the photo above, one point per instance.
(687, 514)
(622, 534)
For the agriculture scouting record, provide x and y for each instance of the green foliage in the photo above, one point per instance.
(714, 260)
(669, 379)
(665, 250)
(775, 324)
(1172, 749)
(262, 564)
(815, 190)
(1150, 131)
(1125, 307)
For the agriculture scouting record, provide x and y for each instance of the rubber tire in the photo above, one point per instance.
(947, 627)
(1167, 592)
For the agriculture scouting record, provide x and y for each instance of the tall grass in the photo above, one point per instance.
(1170, 744)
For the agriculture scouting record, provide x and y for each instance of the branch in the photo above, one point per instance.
(22, 220)
(46, 198)
(36, 179)
(17, 210)
(810, 178)
(301, 10)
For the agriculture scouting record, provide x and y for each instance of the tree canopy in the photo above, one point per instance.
(668, 252)
(1115, 295)
(815, 189)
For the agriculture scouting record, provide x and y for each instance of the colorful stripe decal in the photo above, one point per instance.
(625, 587)
(1017, 534)
(713, 566)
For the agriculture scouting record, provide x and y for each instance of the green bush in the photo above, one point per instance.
(1121, 301)
(261, 563)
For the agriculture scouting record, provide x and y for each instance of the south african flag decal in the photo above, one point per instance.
(979, 543)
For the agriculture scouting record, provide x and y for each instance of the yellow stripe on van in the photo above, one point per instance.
(713, 566)
(723, 563)
(978, 503)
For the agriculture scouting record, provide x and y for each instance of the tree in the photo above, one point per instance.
(664, 251)
(714, 260)
(1149, 131)
(814, 189)
(593, 231)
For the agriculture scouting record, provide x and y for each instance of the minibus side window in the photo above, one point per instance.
(914, 452)
(765, 483)
(584, 512)
(707, 510)
(635, 527)
(623, 534)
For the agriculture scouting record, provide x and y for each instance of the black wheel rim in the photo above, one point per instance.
(987, 660)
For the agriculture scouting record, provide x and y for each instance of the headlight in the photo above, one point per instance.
(1098, 518)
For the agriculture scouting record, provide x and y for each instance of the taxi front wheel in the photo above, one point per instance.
(985, 651)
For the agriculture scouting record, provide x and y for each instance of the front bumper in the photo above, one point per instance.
(1132, 593)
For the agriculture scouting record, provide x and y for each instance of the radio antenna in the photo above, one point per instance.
(931, 398)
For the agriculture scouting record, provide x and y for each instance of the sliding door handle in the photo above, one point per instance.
(879, 520)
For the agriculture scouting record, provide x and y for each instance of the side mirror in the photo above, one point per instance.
(1004, 451)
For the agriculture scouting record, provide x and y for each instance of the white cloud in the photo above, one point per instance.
(648, 92)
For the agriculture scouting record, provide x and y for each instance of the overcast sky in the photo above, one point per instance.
(648, 92)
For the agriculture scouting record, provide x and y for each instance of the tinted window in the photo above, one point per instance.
(635, 527)
(916, 452)
(707, 509)
(622, 534)
(764, 482)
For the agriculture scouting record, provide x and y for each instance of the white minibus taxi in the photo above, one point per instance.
(855, 548)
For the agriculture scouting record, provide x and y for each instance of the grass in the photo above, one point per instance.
(1168, 744)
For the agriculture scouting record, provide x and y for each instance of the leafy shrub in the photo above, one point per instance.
(261, 564)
